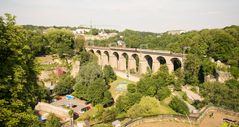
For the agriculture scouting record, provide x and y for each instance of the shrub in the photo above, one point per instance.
(64, 86)
(179, 106)
(185, 97)
(131, 88)
(163, 93)
(109, 74)
(177, 87)
(53, 121)
(148, 106)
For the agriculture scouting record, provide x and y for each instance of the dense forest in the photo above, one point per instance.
(20, 90)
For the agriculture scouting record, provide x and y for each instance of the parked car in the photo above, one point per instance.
(85, 109)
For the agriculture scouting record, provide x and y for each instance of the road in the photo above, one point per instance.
(191, 94)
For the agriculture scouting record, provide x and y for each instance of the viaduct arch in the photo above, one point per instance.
(137, 60)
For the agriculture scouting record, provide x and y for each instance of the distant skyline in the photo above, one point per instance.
(142, 15)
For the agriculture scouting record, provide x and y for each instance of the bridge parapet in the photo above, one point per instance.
(138, 50)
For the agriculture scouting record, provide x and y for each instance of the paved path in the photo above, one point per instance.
(191, 108)
(124, 75)
(191, 94)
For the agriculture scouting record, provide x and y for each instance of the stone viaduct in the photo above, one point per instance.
(136, 60)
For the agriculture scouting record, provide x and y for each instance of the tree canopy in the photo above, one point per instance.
(19, 90)
(61, 41)
(92, 86)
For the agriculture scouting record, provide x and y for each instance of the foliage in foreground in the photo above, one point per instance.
(19, 91)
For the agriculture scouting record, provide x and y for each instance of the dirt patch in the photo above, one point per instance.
(165, 124)
(215, 121)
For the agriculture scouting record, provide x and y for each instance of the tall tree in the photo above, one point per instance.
(91, 85)
(65, 85)
(192, 66)
(18, 88)
(109, 74)
(61, 41)
(179, 106)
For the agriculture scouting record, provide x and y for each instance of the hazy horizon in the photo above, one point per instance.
(151, 15)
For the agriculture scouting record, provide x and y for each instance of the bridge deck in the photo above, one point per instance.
(137, 50)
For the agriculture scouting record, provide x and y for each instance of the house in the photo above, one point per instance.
(44, 109)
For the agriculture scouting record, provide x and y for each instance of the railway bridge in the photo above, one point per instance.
(136, 60)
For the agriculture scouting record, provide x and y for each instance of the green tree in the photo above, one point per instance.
(123, 103)
(95, 91)
(37, 42)
(19, 91)
(146, 107)
(94, 31)
(223, 95)
(109, 114)
(64, 86)
(87, 75)
(131, 88)
(53, 121)
(61, 41)
(91, 85)
(109, 74)
(179, 106)
(162, 93)
(107, 100)
(234, 71)
(192, 66)
(85, 57)
(79, 43)
(147, 86)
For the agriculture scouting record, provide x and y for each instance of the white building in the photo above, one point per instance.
(81, 31)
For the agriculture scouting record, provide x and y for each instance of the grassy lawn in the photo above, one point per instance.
(164, 106)
(165, 109)
(225, 124)
(166, 101)
(114, 84)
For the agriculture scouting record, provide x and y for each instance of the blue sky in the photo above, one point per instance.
(144, 15)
